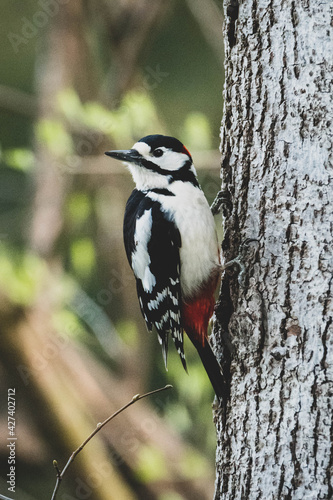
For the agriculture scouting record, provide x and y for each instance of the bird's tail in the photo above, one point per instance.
(196, 314)
(212, 368)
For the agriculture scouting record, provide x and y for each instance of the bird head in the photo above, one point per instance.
(155, 161)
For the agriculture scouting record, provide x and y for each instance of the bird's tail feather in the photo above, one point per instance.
(212, 368)
(163, 338)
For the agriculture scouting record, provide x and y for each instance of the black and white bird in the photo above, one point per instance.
(171, 245)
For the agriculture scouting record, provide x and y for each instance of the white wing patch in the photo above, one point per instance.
(157, 273)
(140, 256)
(154, 303)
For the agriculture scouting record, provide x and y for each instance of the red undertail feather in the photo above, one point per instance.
(197, 312)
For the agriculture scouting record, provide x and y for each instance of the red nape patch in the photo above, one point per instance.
(186, 151)
(196, 316)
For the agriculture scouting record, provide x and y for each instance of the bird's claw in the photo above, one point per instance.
(222, 198)
(240, 260)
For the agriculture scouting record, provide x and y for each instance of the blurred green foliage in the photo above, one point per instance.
(53, 135)
(21, 274)
(197, 132)
(20, 158)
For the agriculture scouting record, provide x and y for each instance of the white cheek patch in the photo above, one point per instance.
(142, 148)
(171, 160)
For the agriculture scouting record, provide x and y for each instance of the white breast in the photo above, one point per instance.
(195, 222)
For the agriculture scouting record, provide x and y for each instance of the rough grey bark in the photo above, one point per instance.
(274, 333)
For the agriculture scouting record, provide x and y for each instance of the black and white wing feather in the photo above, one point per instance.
(152, 243)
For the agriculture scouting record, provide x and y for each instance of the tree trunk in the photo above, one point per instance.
(273, 330)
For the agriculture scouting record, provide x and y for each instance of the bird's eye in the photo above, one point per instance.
(158, 153)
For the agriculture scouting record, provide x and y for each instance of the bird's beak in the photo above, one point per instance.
(128, 155)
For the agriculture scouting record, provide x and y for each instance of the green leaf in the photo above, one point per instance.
(83, 256)
(70, 105)
(21, 275)
(197, 132)
(21, 159)
(53, 134)
(194, 465)
(151, 465)
(79, 208)
(68, 324)
(170, 495)
(99, 118)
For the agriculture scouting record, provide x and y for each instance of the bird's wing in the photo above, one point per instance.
(152, 248)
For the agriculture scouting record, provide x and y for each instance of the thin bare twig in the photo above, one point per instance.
(60, 473)
(2, 497)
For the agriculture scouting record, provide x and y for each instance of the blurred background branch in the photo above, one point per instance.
(17, 101)
(210, 20)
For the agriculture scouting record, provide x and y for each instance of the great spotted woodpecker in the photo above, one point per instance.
(171, 245)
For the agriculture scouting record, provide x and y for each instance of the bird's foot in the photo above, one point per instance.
(240, 260)
(222, 199)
